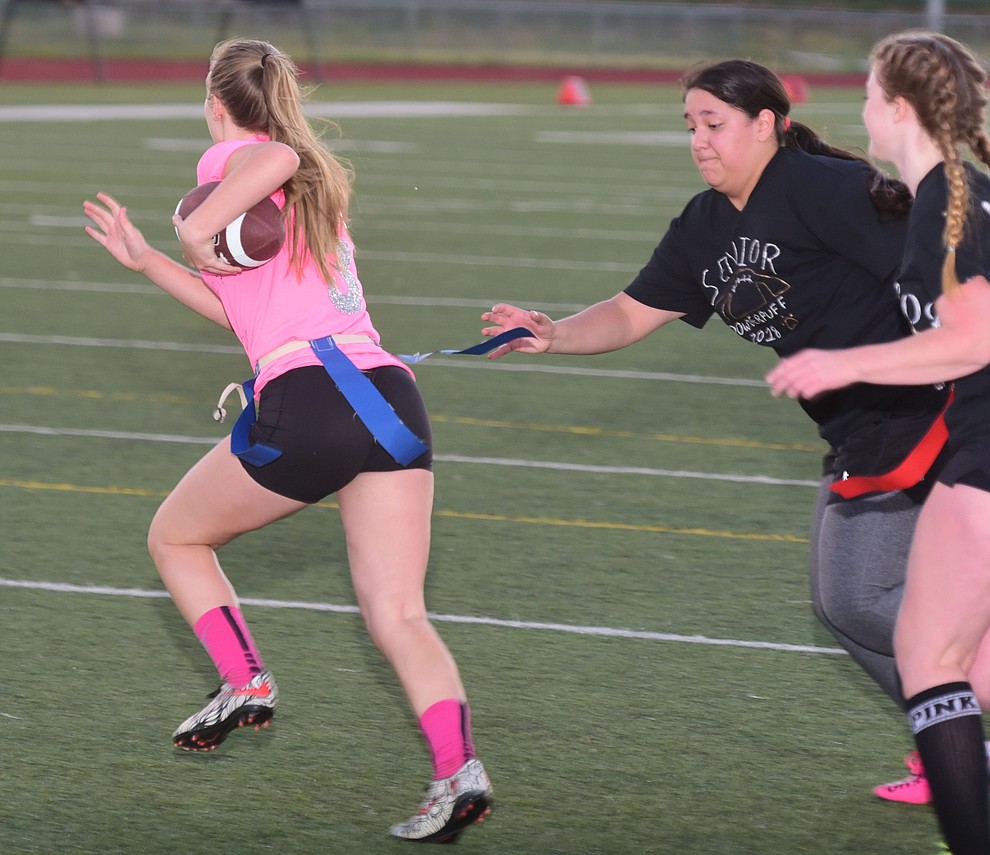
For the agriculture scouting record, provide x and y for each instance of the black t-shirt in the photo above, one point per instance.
(809, 262)
(920, 284)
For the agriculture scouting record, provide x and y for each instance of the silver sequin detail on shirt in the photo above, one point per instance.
(349, 303)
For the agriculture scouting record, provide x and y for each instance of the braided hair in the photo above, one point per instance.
(944, 83)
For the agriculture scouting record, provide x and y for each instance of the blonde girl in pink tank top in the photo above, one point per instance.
(314, 446)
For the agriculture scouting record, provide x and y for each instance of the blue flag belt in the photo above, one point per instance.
(369, 405)
(488, 345)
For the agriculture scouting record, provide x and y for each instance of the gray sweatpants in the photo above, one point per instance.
(859, 553)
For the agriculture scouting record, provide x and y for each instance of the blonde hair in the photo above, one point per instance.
(259, 87)
(943, 82)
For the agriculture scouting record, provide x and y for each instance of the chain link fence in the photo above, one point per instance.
(500, 32)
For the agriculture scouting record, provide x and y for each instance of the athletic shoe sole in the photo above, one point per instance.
(468, 810)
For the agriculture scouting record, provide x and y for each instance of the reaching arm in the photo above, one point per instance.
(113, 230)
(610, 325)
(959, 346)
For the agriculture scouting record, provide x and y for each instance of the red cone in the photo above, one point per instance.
(574, 92)
(796, 88)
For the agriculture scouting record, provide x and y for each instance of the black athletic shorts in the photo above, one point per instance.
(968, 463)
(968, 420)
(324, 444)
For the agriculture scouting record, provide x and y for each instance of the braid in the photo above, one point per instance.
(955, 217)
(944, 84)
(943, 126)
(944, 119)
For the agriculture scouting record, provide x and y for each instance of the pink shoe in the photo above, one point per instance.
(912, 790)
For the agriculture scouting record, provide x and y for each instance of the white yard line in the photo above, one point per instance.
(599, 631)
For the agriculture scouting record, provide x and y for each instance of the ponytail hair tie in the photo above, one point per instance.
(787, 124)
(264, 59)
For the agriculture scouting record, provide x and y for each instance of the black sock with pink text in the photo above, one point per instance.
(949, 734)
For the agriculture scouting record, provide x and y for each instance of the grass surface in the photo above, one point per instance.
(571, 493)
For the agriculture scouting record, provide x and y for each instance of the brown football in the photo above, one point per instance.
(252, 239)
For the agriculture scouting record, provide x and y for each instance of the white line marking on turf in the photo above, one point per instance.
(383, 299)
(624, 470)
(612, 373)
(485, 364)
(500, 261)
(40, 430)
(651, 138)
(364, 109)
(198, 144)
(132, 344)
(48, 221)
(600, 631)
(441, 227)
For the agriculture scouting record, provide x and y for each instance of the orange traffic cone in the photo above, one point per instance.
(574, 92)
(796, 88)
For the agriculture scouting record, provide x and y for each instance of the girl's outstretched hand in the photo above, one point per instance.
(811, 372)
(506, 317)
(114, 232)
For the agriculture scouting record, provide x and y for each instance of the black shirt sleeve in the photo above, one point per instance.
(667, 281)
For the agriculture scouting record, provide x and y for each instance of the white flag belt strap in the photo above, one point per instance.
(293, 346)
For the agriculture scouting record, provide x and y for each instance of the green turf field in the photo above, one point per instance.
(620, 541)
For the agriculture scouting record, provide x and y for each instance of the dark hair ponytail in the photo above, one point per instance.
(751, 87)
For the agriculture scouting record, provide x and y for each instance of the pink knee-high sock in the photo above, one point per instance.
(447, 728)
(224, 634)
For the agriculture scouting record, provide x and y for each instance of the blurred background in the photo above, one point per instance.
(825, 37)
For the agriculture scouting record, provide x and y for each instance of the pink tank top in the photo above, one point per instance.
(269, 306)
